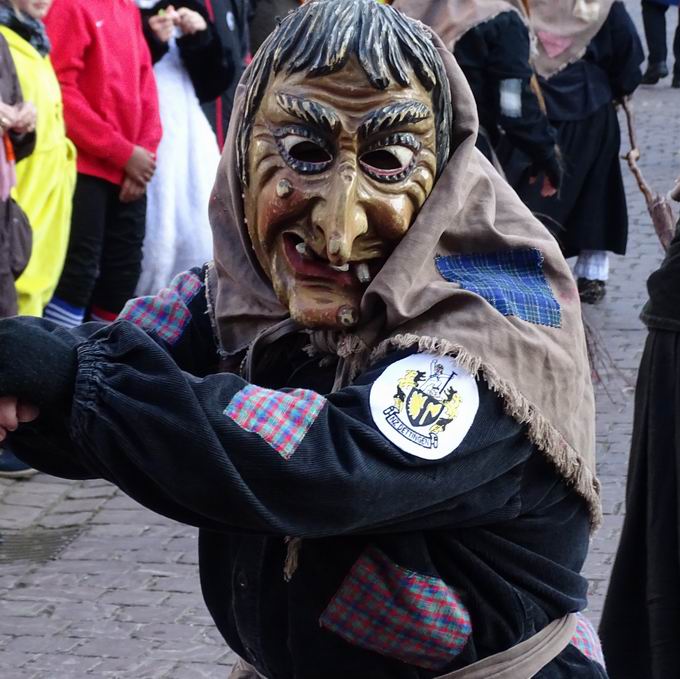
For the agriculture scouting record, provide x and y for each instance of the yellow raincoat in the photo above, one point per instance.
(45, 180)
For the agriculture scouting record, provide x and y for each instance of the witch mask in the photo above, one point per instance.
(341, 143)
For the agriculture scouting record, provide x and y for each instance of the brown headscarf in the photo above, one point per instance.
(563, 30)
(541, 372)
(452, 19)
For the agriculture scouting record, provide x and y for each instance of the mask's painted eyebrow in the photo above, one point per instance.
(309, 111)
(393, 116)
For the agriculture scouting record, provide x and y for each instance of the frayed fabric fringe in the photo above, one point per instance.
(541, 432)
(293, 547)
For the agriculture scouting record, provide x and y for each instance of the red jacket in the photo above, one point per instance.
(104, 68)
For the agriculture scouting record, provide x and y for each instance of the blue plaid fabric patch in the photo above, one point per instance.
(167, 313)
(512, 281)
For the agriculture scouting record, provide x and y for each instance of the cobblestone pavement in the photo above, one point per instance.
(121, 599)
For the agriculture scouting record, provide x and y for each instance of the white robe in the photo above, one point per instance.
(178, 233)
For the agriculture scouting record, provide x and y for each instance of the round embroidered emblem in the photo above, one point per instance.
(425, 404)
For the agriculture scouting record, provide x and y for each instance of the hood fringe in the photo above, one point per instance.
(541, 432)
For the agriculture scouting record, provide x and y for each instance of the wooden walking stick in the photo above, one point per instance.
(659, 206)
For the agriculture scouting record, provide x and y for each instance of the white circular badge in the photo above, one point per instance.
(425, 404)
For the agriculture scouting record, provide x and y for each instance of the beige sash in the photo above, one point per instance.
(527, 658)
(519, 662)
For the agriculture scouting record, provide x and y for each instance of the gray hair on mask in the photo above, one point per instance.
(320, 37)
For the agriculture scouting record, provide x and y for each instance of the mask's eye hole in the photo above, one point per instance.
(303, 152)
(391, 159)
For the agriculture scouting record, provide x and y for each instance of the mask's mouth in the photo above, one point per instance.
(308, 264)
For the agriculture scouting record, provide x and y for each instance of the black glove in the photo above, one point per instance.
(554, 169)
(38, 362)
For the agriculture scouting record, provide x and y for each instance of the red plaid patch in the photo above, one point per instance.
(586, 640)
(385, 608)
(281, 418)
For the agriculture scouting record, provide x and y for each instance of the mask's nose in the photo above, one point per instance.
(340, 215)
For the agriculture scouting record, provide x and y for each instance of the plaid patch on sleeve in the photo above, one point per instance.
(586, 640)
(167, 313)
(385, 608)
(281, 418)
(512, 281)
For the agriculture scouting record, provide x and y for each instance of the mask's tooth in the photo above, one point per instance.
(343, 267)
(302, 249)
(363, 273)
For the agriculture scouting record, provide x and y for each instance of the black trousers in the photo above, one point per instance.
(654, 18)
(104, 257)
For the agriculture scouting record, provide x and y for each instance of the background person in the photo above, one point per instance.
(589, 55)
(111, 110)
(654, 18)
(640, 624)
(491, 42)
(231, 21)
(17, 141)
(45, 180)
(189, 68)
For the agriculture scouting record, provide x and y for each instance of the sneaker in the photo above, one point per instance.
(11, 467)
(654, 73)
(591, 292)
(675, 83)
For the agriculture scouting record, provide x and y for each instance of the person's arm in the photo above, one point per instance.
(23, 144)
(176, 319)
(23, 141)
(227, 455)
(624, 53)
(71, 37)
(209, 67)
(158, 48)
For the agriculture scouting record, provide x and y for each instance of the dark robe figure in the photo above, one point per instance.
(590, 216)
(640, 626)
(231, 22)
(492, 44)
(495, 59)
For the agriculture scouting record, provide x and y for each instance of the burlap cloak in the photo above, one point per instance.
(541, 372)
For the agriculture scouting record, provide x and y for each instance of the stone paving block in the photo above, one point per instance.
(100, 491)
(64, 520)
(40, 645)
(115, 648)
(189, 652)
(151, 614)
(71, 506)
(134, 668)
(21, 498)
(200, 671)
(112, 629)
(11, 661)
(133, 598)
(14, 517)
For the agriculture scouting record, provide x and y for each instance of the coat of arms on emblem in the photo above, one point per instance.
(424, 405)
